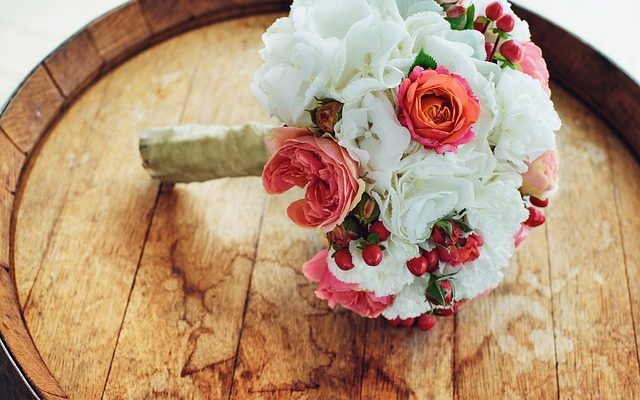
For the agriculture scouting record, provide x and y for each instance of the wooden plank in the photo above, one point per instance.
(164, 14)
(591, 304)
(625, 170)
(80, 294)
(74, 64)
(11, 161)
(504, 346)
(292, 345)
(120, 33)
(181, 332)
(31, 110)
(408, 363)
(200, 8)
(13, 330)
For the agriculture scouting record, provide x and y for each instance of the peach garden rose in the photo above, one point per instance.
(438, 108)
(327, 171)
(541, 178)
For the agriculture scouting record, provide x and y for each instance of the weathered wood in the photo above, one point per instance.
(36, 104)
(589, 289)
(11, 162)
(120, 33)
(90, 260)
(164, 14)
(74, 64)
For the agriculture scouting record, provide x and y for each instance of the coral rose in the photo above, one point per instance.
(466, 250)
(348, 295)
(534, 65)
(438, 108)
(541, 178)
(326, 169)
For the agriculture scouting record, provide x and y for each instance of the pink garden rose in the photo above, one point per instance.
(438, 108)
(534, 65)
(348, 295)
(542, 176)
(326, 169)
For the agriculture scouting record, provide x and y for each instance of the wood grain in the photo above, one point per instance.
(35, 105)
(120, 33)
(164, 14)
(74, 64)
(90, 259)
(11, 162)
(592, 310)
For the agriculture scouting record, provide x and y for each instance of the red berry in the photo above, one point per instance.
(343, 258)
(542, 203)
(506, 23)
(488, 47)
(536, 218)
(512, 51)
(372, 255)
(478, 25)
(407, 323)
(418, 266)
(378, 228)
(493, 10)
(426, 322)
(432, 260)
(395, 321)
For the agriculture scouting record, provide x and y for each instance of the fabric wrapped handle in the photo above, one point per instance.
(197, 153)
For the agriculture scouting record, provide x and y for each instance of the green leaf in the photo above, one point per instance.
(471, 14)
(373, 238)
(434, 291)
(425, 61)
(458, 23)
(350, 224)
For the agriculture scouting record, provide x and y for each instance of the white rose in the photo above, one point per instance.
(527, 120)
(389, 277)
(372, 134)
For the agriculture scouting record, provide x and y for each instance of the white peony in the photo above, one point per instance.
(389, 277)
(527, 120)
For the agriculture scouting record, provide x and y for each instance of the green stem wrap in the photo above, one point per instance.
(196, 153)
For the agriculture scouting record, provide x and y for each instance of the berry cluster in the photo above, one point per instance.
(503, 49)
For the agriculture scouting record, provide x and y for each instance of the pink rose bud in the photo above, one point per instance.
(506, 23)
(512, 51)
(456, 11)
(494, 10)
(328, 115)
(367, 210)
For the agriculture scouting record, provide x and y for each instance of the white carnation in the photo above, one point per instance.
(411, 302)
(527, 120)
(389, 277)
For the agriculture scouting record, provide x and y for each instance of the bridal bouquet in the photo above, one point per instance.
(423, 135)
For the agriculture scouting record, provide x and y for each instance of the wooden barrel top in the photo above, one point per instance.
(132, 290)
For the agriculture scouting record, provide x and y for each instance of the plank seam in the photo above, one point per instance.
(58, 88)
(133, 284)
(364, 357)
(553, 317)
(614, 187)
(454, 370)
(246, 298)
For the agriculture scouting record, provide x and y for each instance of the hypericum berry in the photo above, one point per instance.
(407, 323)
(378, 228)
(479, 24)
(488, 48)
(449, 311)
(426, 322)
(343, 258)
(536, 218)
(506, 23)
(512, 51)
(494, 10)
(542, 203)
(418, 266)
(372, 255)
(394, 322)
(432, 260)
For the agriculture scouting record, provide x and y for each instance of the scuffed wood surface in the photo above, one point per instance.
(198, 292)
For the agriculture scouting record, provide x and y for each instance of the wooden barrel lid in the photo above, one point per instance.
(115, 288)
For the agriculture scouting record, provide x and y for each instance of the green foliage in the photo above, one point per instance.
(425, 61)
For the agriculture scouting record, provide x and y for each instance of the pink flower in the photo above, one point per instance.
(347, 295)
(329, 174)
(534, 65)
(438, 108)
(541, 178)
(521, 235)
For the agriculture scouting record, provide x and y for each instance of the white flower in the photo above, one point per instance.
(411, 302)
(496, 215)
(527, 120)
(372, 134)
(410, 7)
(389, 277)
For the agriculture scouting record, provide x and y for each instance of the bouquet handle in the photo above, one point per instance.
(197, 153)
